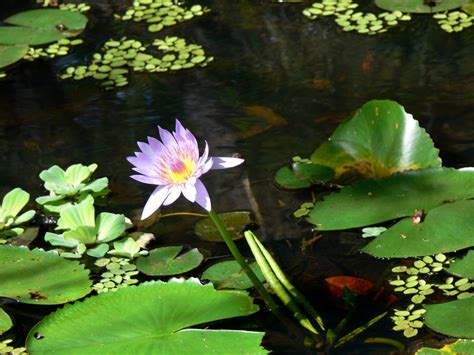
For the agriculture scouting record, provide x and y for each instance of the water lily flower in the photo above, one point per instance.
(174, 165)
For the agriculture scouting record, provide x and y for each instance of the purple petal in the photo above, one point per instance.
(155, 201)
(145, 148)
(167, 138)
(225, 162)
(189, 191)
(202, 196)
(205, 168)
(205, 154)
(175, 192)
(142, 165)
(156, 145)
(147, 179)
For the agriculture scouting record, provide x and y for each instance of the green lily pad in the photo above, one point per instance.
(461, 346)
(229, 274)
(407, 239)
(39, 277)
(380, 139)
(302, 175)
(378, 200)
(49, 18)
(5, 321)
(41, 26)
(166, 262)
(11, 54)
(454, 318)
(419, 6)
(469, 8)
(463, 267)
(152, 318)
(235, 222)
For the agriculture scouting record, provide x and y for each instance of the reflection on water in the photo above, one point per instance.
(278, 87)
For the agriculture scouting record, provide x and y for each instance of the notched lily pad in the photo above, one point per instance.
(229, 274)
(303, 175)
(166, 262)
(152, 318)
(378, 200)
(454, 318)
(379, 140)
(463, 267)
(235, 222)
(11, 54)
(39, 277)
(5, 321)
(41, 26)
(446, 228)
(419, 6)
(461, 346)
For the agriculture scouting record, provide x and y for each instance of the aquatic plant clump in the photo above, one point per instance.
(119, 273)
(454, 21)
(117, 58)
(174, 165)
(58, 49)
(350, 20)
(161, 13)
(81, 7)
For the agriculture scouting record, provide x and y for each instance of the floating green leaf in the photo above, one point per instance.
(461, 346)
(380, 139)
(454, 318)
(13, 202)
(469, 8)
(166, 262)
(302, 175)
(377, 200)
(235, 222)
(152, 318)
(419, 6)
(39, 277)
(5, 322)
(407, 239)
(229, 274)
(41, 26)
(463, 267)
(11, 54)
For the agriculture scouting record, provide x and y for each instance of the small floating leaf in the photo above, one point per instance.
(166, 262)
(229, 274)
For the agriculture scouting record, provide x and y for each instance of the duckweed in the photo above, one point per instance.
(57, 49)
(161, 13)
(112, 66)
(349, 20)
(453, 21)
(119, 274)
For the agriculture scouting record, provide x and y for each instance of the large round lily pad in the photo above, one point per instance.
(235, 223)
(39, 277)
(152, 318)
(378, 200)
(445, 229)
(229, 274)
(166, 262)
(454, 318)
(11, 54)
(380, 139)
(5, 321)
(419, 6)
(461, 346)
(463, 267)
(41, 26)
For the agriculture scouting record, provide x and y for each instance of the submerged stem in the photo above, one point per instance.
(359, 330)
(297, 295)
(276, 285)
(193, 214)
(240, 259)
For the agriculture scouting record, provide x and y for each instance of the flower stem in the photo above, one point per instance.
(240, 259)
(276, 285)
(359, 330)
(193, 214)
(295, 293)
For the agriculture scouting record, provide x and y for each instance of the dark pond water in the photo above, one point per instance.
(278, 87)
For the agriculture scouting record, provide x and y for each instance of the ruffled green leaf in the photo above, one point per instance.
(99, 251)
(109, 226)
(83, 234)
(59, 241)
(14, 201)
(127, 247)
(24, 217)
(80, 215)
